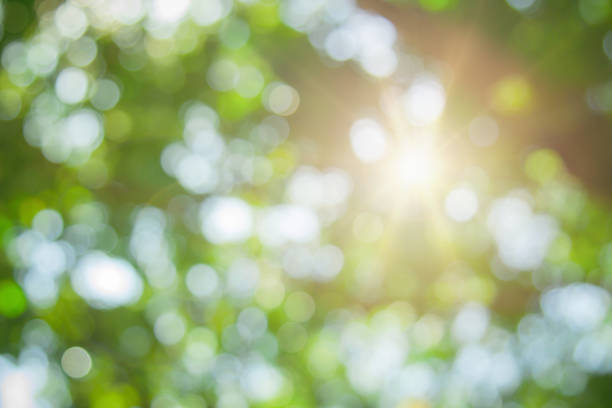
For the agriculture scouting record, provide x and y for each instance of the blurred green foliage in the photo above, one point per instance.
(291, 203)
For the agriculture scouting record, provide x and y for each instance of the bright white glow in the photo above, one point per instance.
(71, 85)
(281, 99)
(424, 100)
(341, 44)
(379, 61)
(417, 166)
(49, 258)
(372, 30)
(339, 10)
(580, 306)
(82, 129)
(473, 362)
(226, 220)
(372, 355)
(199, 116)
(171, 156)
(288, 224)
(481, 366)
(522, 237)
(206, 143)
(16, 390)
(76, 362)
(301, 15)
(195, 165)
(262, 381)
(106, 282)
(169, 11)
(313, 188)
(368, 140)
(306, 187)
(461, 204)
(505, 213)
(40, 288)
(196, 174)
(202, 281)
(367, 38)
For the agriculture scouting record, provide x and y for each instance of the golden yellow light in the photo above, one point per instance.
(417, 166)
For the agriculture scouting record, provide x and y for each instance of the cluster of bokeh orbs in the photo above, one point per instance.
(228, 323)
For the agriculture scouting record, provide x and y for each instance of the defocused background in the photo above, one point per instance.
(305, 203)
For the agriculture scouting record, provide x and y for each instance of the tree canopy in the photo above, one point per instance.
(305, 203)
